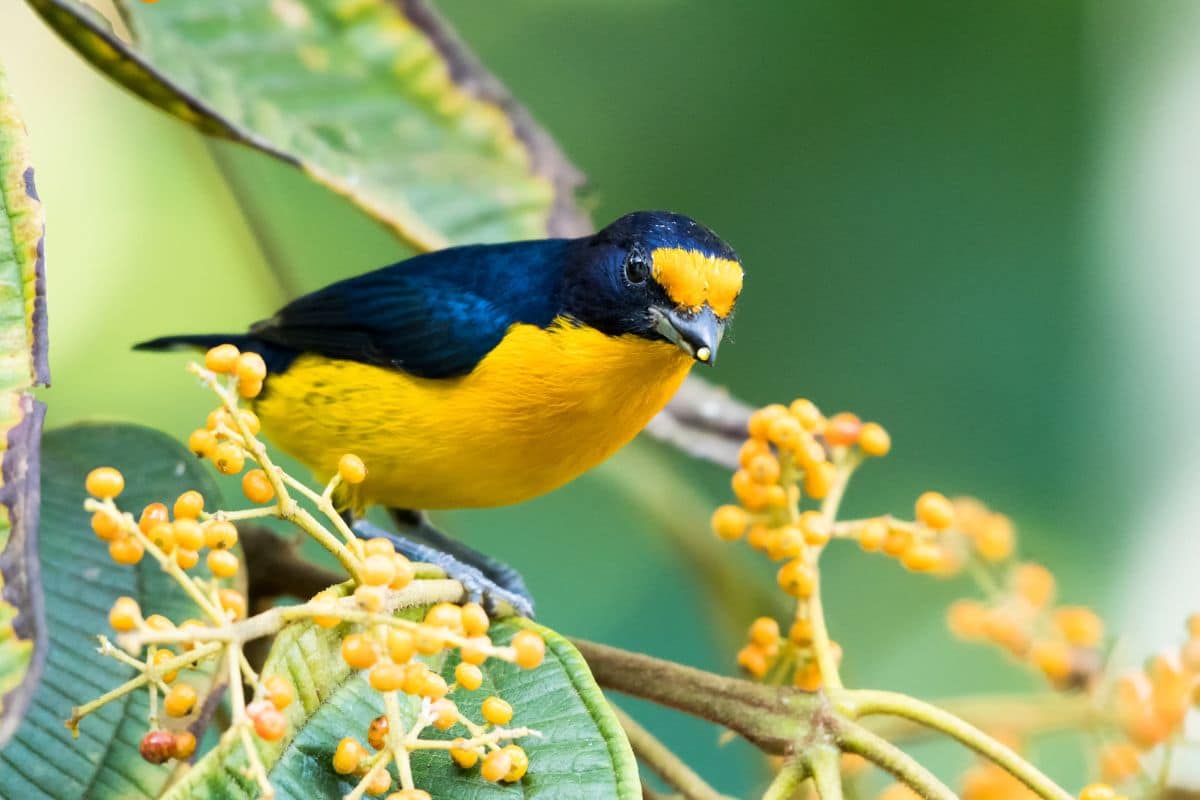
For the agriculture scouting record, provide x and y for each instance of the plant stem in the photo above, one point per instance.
(865, 703)
(854, 738)
(668, 766)
(772, 718)
(1020, 715)
(825, 767)
(788, 781)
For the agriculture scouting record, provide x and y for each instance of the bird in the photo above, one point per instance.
(489, 374)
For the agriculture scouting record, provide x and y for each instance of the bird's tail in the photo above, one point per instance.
(277, 358)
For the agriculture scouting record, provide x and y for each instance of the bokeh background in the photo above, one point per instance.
(974, 222)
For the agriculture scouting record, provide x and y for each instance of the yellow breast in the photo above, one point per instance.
(544, 406)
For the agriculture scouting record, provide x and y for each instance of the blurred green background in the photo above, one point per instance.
(968, 221)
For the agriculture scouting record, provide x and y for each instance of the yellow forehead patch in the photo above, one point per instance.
(692, 279)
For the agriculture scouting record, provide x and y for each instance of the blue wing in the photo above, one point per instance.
(435, 315)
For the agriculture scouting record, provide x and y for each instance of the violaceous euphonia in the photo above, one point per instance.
(485, 375)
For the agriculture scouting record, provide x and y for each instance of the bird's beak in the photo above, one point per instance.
(698, 334)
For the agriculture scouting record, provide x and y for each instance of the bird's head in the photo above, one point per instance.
(657, 275)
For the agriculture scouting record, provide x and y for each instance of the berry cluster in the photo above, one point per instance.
(1151, 705)
(395, 652)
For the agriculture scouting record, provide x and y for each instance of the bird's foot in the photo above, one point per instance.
(494, 585)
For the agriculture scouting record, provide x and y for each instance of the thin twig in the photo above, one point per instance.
(668, 766)
(854, 738)
(825, 767)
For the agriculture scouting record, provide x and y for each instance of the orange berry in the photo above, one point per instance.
(219, 418)
(278, 691)
(401, 645)
(760, 536)
(249, 389)
(187, 534)
(935, 511)
(379, 546)
(444, 615)
(160, 657)
(184, 745)
(1098, 791)
(249, 419)
(348, 755)
(785, 542)
(801, 631)
(380, 782)
(818, 479)
(806, 413)
(761, 420)
(785, 432)
(815, 528)
(233, 603)
(1008, 630)
(872, 535)
(751, 448)
(446, 714)
(476, 650)
(729, 522)
(105, 526)
(808, 677)
(377, 570)
(463, 757)
(468, 676)
(1079, 625)
(1189, 654)
(1034, 583)
(874, 440)
(403, 570)
(228, 458)
(764, 631)
(496, 766)
(520, 763)
(152, 515)
(220, 534)
(386, 676)
(996, 539)
(251, 367)
(186, 559)
(320, 620)
(162, 536)
(222, 563)
(201, 442)
(257, 487)
(434, 686)
(127, 550)
(530, 649)
(843, 429)
(370, 598)
(753, 659)
(378, 731)
(897, 541)
(429, 642)
(1119, 762)
(352, 469)
(809, 452)
(414, 676)
(222, 358)
(189, 505)
(921, 556)
(180, 701)
(474, 620)
(105, 483)
(1053, 658)
(967, 619)
(124, 614)
(359, 651)
(797, 578)
(1193, 626)
(497, 711)
(777, 496)
(764, 469)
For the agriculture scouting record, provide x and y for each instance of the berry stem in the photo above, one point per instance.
(822, 649)
(664, 763)
(398, 736)
(852, 738)
(788, 780)
(862, 703)
(824, 766)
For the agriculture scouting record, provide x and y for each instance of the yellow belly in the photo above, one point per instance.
(543, 407)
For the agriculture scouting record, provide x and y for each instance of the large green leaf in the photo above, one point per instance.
(374, 98)
(582, 754)
(79, 584)
(22, 364)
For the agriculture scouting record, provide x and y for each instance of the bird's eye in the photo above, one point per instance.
(637, 266)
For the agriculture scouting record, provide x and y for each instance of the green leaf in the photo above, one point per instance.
(79, 584)
(22, 364)
(374, 98)
(582, 753)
